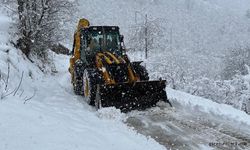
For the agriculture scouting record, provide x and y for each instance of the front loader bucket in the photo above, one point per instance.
(128, 96)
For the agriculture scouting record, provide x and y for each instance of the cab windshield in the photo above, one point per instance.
(104, 40)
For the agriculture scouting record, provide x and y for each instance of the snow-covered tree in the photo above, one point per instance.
(235, 62)
(40, 24)
(146, 36)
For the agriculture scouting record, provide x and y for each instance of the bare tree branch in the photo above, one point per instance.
(8, 75)
(19, 84)
(21, 93)
(10, 9)
(27, 99)
(3, 96)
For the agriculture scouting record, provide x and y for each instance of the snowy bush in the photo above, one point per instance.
(235, 62)
(235, 92)
(46, 64)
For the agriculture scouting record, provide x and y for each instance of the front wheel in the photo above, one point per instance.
(77, 84)
(98, 101)
(89, 87)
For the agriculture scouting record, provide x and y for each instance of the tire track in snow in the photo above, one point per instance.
(183, 129)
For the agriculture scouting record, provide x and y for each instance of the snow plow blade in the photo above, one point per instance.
(130, 96)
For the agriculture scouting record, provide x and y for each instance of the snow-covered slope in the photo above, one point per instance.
(43, 113)
(56, 119)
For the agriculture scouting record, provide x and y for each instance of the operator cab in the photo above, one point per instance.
(101, 38)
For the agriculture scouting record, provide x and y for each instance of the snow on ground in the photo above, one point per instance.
(57, 119)
(44, 113)
(193, 123)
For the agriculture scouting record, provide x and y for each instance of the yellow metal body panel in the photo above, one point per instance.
(132, 77)
(100, 66)
(83, 23)
(113, 57)
(77, 46)
(106, 56)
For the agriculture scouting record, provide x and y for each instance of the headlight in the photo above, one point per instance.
(79, 62)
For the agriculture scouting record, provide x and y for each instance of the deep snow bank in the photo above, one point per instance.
(208, 106)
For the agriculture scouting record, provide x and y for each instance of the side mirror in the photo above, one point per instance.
(121, 38)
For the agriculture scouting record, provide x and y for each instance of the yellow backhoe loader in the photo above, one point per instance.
(102, 72)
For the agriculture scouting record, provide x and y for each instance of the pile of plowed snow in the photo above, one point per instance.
(208, 106)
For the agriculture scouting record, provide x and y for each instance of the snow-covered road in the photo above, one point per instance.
(189, 129)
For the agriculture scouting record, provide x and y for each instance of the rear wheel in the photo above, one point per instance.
(89, 86)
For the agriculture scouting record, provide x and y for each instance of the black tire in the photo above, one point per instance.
(98, 101)
(89, 86)
(77, 85)
(142, 72)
